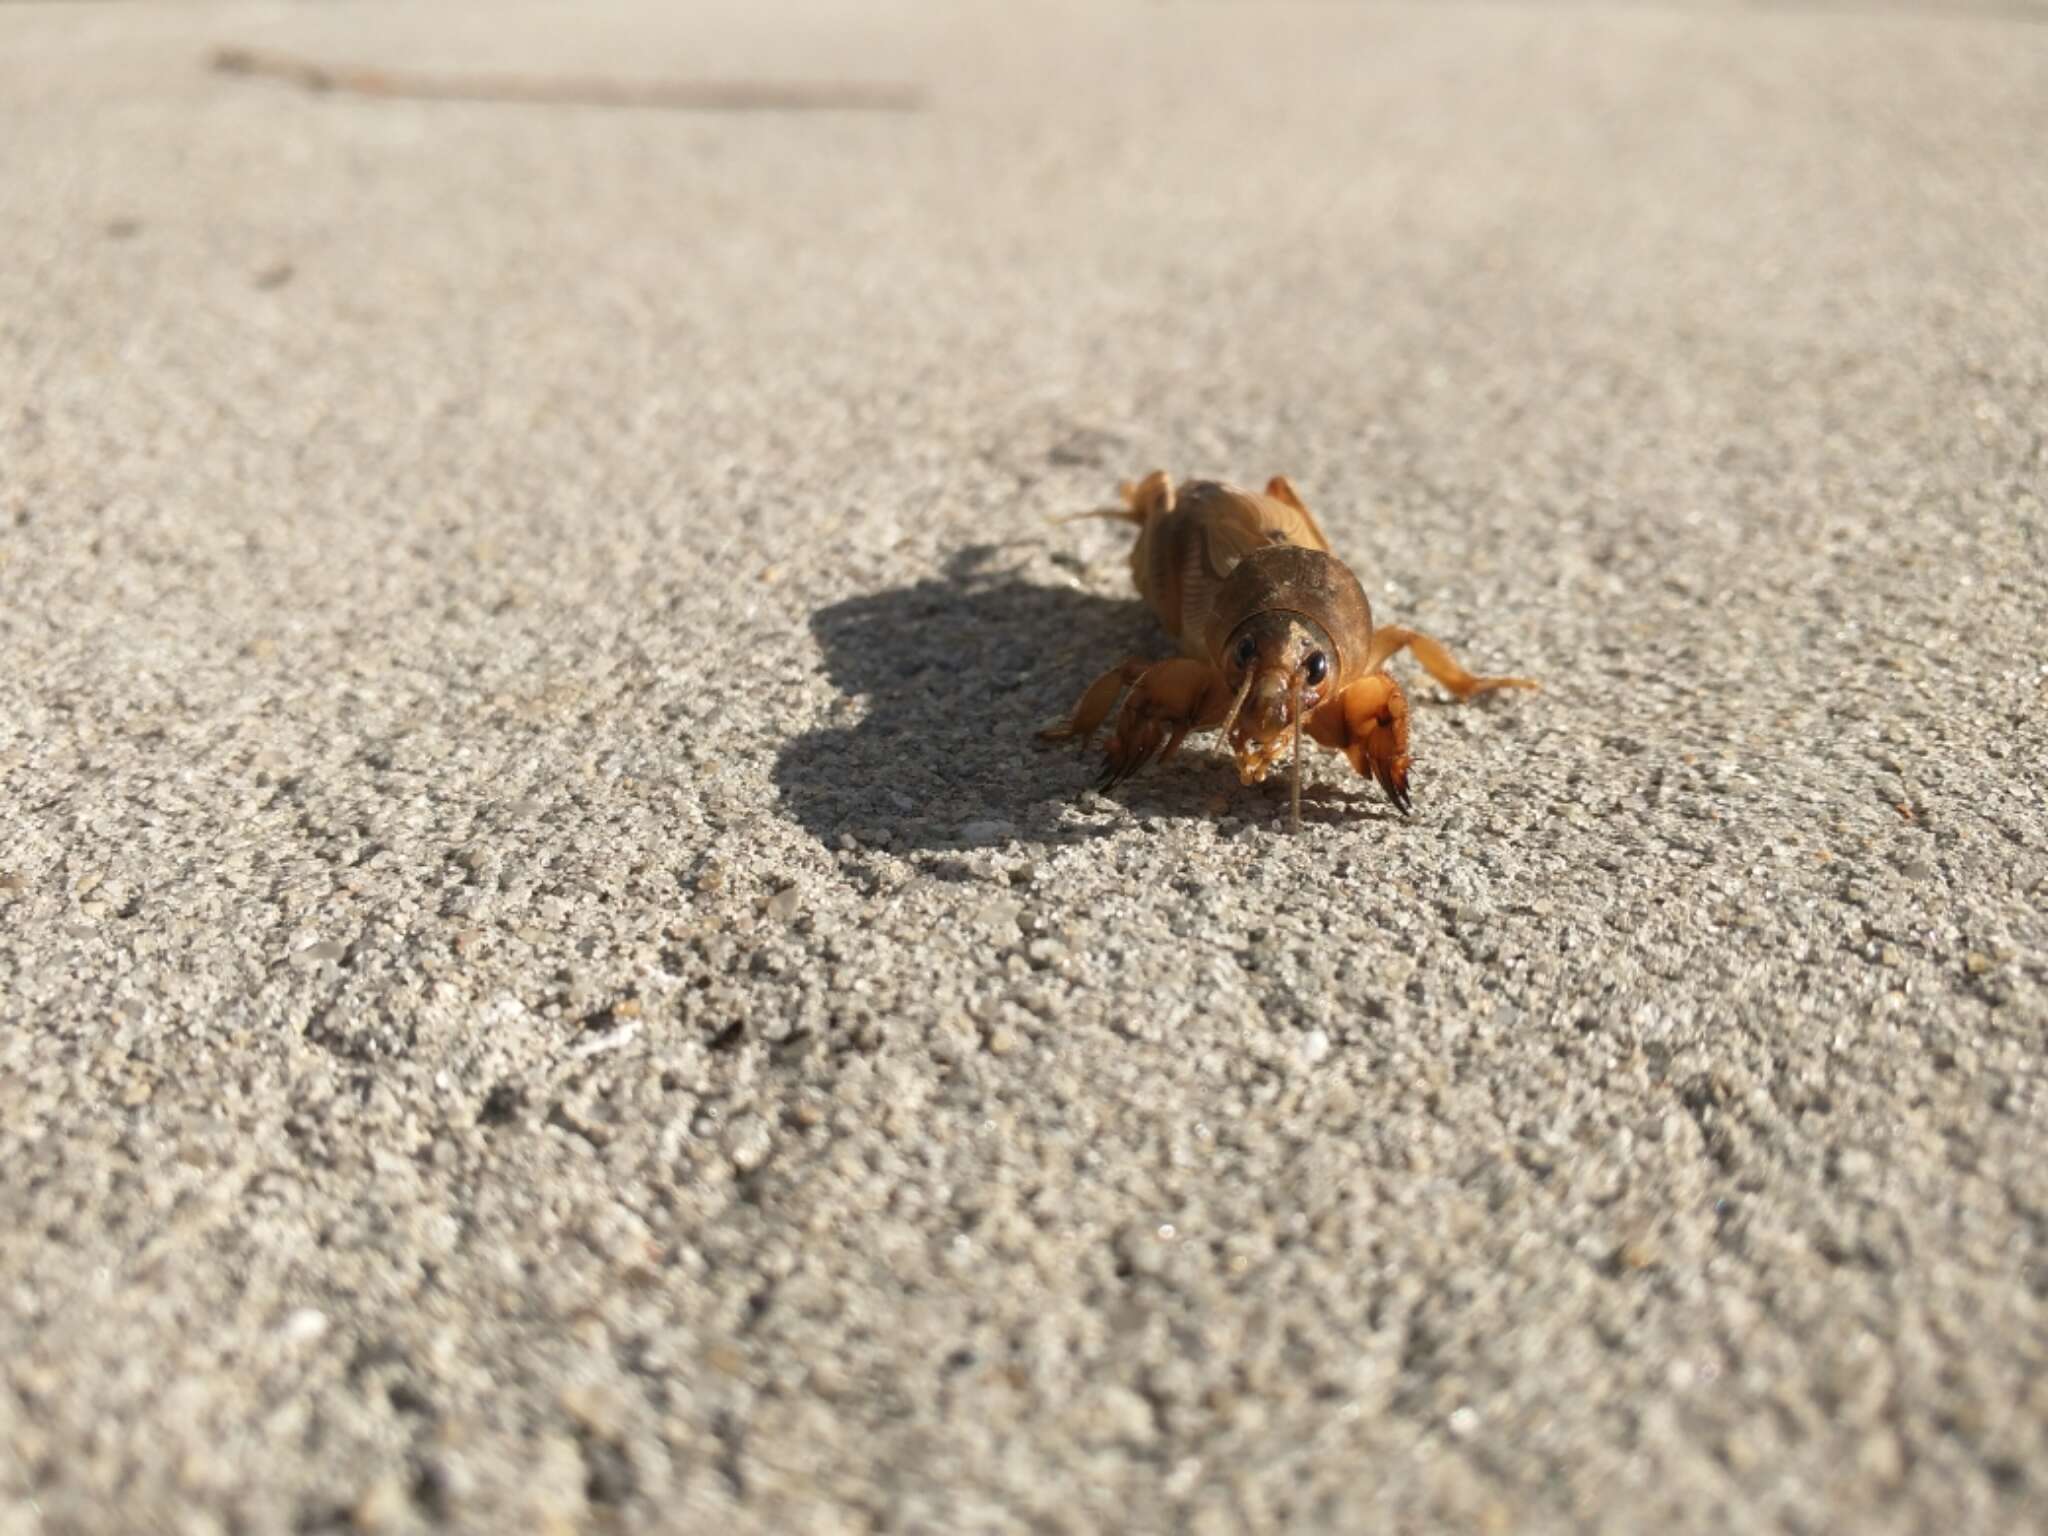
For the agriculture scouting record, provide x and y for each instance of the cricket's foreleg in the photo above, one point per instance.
(1439, 663)
(1171, 699)
(1097, 702)
(1368, 723)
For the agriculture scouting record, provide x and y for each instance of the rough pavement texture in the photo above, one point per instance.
(547, 985)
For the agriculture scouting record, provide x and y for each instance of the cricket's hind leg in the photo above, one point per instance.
(1438, 662)
(1143, 500)
(1148, 498)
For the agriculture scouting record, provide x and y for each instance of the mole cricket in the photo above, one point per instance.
(1276, 640)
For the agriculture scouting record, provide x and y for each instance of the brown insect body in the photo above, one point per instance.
(1276, 637)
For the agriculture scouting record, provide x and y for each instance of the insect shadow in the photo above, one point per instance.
(958, 673)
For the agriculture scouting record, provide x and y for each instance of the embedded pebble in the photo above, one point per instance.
(748, 1142)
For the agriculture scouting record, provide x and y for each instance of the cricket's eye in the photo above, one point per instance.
(1247, 651)
(1316, 668)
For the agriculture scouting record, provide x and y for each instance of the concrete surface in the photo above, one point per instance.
(548, 986)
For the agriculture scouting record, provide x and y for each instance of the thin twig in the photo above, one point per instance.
(575, 91)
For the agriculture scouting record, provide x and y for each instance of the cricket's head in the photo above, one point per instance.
(1279, 666)
(1281, 628)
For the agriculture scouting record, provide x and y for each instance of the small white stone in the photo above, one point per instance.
(748, 1142)
(1315, 1047)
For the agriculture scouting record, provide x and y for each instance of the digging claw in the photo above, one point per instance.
(1151, 745)
(1166, 701)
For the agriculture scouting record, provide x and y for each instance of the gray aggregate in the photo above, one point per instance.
(546, 983)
